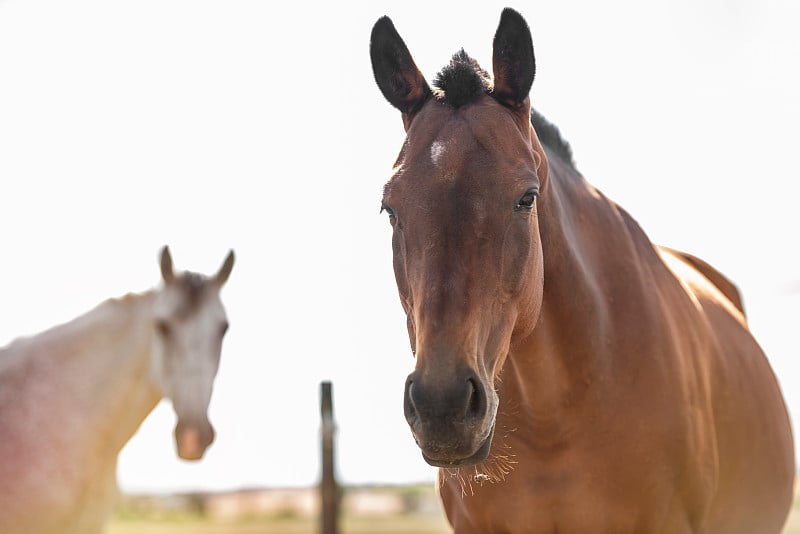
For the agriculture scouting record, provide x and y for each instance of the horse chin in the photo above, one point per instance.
(189, 447)
(452, 463)
(192, 443)
(192, 455)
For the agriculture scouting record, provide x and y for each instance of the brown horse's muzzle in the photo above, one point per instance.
(192, 439)
(452, 417)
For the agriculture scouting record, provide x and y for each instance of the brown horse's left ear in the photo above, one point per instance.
(166, 265)
(225, 271)
(397, 75)
(513, 62)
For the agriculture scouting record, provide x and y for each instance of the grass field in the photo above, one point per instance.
(373, 525)
(793, 525)
(404, 524)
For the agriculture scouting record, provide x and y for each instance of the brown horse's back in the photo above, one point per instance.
(725, 286)
(752, 432)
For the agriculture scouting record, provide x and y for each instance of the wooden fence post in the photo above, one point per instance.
(329, 490)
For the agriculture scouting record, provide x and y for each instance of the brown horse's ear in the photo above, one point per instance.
(166, 265)
(397, 75)
(225, 271)
(512, 59)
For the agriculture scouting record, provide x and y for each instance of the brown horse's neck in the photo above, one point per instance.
(590, 250)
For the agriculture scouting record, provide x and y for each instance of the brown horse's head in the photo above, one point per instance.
(467, 251)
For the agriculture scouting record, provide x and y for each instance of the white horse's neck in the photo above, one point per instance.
(70, 398)
(90, 377)
(108, 364)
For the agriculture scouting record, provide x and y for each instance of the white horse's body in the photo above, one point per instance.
(72, 396)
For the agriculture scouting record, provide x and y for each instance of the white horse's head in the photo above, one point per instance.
(189, 323)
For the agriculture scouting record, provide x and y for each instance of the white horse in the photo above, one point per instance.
(72, 396)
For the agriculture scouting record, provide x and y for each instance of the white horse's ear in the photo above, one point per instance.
(166, 265)
(225, 271)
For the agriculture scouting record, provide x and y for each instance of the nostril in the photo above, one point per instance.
(475, 405)
(410, 407)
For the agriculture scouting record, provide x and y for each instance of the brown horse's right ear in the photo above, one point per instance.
(397, 75)
(166, 265)
(513, 61)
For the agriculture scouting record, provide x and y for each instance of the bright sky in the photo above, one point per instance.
(210, 125)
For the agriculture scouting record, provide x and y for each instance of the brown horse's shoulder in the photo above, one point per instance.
(720, 281)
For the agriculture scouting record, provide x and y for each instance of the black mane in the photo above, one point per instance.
(550, 137)
(463, 81)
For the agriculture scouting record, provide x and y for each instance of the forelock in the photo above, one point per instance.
(462, 81)
(192, 287)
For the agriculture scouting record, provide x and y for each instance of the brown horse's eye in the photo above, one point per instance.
(389, 211)
(527, 200)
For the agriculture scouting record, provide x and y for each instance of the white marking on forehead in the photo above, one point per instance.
(437, 151)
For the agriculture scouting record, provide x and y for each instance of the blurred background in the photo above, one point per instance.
(210, 125)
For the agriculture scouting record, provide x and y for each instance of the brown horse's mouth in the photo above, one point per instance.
(477, 457)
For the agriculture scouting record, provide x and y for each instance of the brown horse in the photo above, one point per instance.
(570, 376)
(72, 396)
